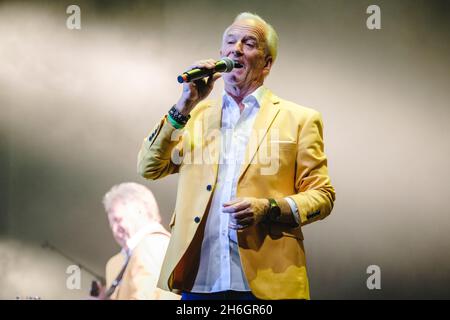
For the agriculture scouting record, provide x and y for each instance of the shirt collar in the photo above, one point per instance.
(256, 95)
(148, 229)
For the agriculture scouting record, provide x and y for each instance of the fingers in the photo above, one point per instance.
(235, 206)
(208, 83)
(240, 215)
(208, 64)
(199, 89)
(240, 218)
(198, 83)
(201, 83)
(213, 79)
(241, 224)
(231, 202)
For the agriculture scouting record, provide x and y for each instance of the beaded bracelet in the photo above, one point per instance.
(180, 118)
(174, 123)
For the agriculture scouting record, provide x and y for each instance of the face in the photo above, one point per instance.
(121, 220)
(244, 41)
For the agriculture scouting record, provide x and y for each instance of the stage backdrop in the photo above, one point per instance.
(76, 103)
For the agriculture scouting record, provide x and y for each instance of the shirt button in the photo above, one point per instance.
(209, 187)
(197, 219)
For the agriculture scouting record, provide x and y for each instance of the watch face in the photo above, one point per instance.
(275, 212)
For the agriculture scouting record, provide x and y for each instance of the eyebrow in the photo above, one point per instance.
(247, 37)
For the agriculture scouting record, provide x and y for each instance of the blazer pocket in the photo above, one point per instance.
(280, 230)
(283, 142)
(283, 146)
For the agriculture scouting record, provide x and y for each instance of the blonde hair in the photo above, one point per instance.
(132, 192)
(271, 35)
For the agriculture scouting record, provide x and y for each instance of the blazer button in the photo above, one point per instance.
(197, 219)
(209, 187)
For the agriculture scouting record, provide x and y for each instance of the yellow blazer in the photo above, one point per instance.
(272, 256)
(141, 274)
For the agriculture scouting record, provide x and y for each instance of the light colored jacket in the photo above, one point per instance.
(272, 255)
(142, 272)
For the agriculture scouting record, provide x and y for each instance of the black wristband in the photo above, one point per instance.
(178, 117)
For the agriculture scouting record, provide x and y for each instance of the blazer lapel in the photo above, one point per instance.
(268, 111)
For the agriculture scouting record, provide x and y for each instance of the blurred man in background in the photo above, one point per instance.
(135, 222)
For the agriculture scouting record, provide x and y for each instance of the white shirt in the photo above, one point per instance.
(220, 266)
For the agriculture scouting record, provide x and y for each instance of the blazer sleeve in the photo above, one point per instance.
(315, 195)
(155, 158)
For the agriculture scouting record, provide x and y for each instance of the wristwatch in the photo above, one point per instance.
(274, 211)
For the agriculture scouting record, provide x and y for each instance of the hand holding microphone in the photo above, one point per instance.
(195, 87)
(223, 65)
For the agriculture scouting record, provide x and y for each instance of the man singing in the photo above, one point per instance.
(243, 194)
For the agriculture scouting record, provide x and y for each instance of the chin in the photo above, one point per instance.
(232, 80)
(121, 242)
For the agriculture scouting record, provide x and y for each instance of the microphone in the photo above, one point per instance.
(223, 65)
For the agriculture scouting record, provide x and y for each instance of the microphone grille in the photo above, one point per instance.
(229, 64)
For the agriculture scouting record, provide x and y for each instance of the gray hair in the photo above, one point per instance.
(270, 33)
(133, 192)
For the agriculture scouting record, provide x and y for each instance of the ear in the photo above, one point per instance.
(268, 64)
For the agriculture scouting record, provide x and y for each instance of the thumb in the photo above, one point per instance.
(213, 78)
(216, 76)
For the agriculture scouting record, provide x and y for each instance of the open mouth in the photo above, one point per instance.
(237, 64)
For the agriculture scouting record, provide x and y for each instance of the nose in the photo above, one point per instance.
(117, 228)
(237, 50)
